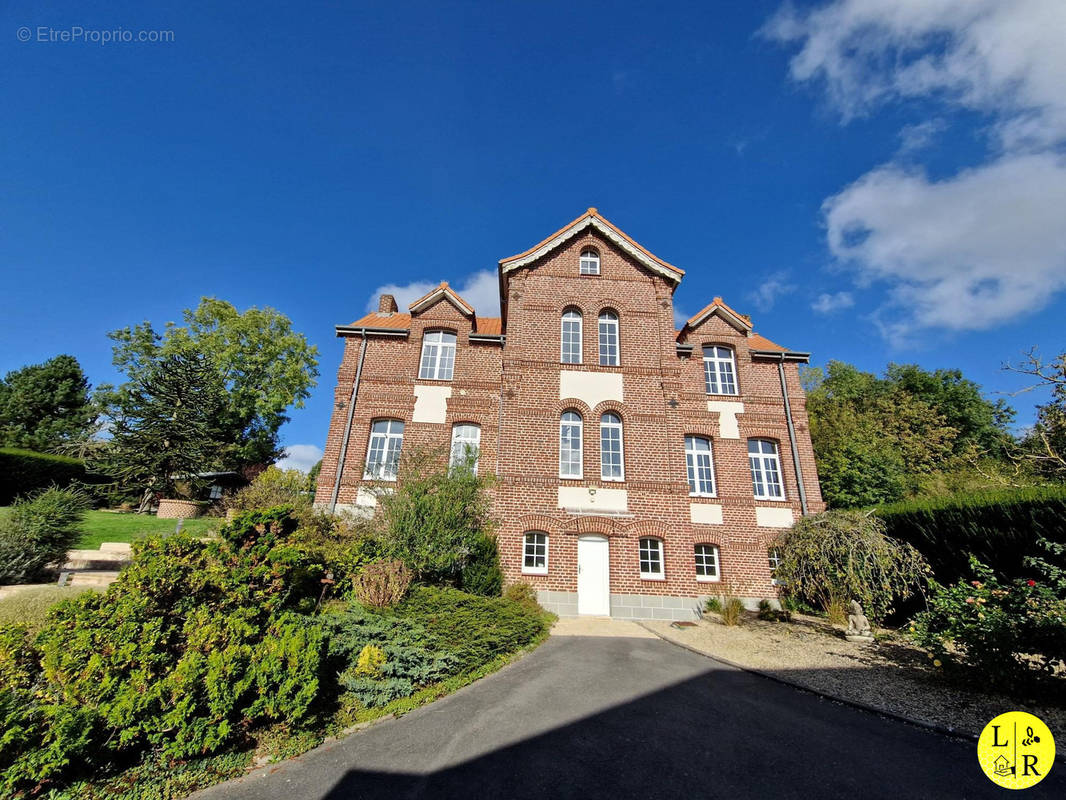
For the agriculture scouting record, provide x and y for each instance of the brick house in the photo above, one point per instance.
(640, 468)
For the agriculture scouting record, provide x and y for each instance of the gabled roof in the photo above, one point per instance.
(592, 219)
(718, 307)
(443, 291)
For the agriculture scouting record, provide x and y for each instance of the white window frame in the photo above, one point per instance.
(438, 356)
(461, 440)
(766, 464)
(528, 552)
(578, 422)
(773, 557)
(644, 553)
(701, 561)
(609, 427)
(570, 328)
(693, 467)
(719, 370)
(608, 329)
(589, 262)
(384, 431)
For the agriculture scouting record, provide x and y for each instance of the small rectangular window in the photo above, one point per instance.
(707, 563)
(651, 559)
(535, 554)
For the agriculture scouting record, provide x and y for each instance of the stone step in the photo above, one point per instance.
(115, 547)
(94, 559)
(102, 577)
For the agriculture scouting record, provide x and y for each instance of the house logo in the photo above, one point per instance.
(1016, 750)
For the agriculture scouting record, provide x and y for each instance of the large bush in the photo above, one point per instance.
(23, 472)
(1007, 632)
(193, 645)
(838, 556)
(1000, 529)
(39, 530)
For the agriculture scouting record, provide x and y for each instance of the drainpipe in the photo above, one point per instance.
(792, 435)
(348, 427)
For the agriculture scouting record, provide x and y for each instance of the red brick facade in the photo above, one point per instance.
(508, 380)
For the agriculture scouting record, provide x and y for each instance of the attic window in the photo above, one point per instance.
(590, 262)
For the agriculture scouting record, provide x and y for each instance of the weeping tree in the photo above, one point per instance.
(165, 426)
(832, 558)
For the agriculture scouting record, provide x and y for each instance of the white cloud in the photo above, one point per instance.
(300, 456)
(828, 303)
(772, 287)
(680, 318)
(977, 248)
(480, 289)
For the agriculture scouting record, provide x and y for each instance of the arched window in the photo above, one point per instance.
(571, 337)
(699, 459)
(765, 469)
(608, 338)
(438, 356)
(651, 560)
(535, 553)
(719, 370)
(707, 563)
(570, 463)
(612, 461)
(466, 445)
(590, 262)
(383, 452)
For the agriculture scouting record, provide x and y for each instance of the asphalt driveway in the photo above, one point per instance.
(609, 717)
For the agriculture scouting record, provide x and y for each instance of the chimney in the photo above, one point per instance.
(387, 304)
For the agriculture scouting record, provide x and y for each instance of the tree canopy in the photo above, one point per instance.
(43, 406)
(263, 366)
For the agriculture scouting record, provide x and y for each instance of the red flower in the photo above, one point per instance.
(1031, 582)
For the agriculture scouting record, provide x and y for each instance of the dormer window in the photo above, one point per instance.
(438, 356)
(590, 262)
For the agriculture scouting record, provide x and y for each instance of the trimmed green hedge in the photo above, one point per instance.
(999, 528)
(24, 471)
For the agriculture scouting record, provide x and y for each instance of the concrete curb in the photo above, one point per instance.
(931, 726)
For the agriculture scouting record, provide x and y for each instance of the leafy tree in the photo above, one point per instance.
(839, 556)
(45, 405)
(263, 365)
(165, 425)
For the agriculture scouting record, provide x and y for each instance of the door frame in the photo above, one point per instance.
(605, 601)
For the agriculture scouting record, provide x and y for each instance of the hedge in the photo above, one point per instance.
(999, 528)
(23, 471)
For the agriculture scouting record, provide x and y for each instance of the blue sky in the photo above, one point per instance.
(872, 181)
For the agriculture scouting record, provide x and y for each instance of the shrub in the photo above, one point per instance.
(482, 574)
(436, 519)
(1000, 528)
(837, 556)
(196, 642)
(1006, 632)
(271, 488)
(523, 595)
(38, 531)
(732, 612)
(714, 605)
(768, 613)
(30, 607)
(382, 583)
(23, 472)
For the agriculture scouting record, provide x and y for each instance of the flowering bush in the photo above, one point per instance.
(1008, 632)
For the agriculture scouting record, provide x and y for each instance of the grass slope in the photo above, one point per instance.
(115, 526)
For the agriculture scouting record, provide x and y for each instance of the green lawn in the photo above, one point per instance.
(112, 526)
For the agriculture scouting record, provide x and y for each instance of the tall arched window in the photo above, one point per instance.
(699, 459)
(719, 370)
(570, 430)
(608, 338)
(438, 356)
(571, 337)
(466, 445)
(612, 461)
(765, 469)
(383, 452)
(590, 262)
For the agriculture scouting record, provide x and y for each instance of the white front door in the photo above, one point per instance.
(593, 576)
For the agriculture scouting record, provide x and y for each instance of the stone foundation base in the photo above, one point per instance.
(629, 606)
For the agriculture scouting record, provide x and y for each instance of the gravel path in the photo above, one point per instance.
(891, 675)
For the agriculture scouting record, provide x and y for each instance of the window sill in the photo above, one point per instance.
(534, 571)
(720, 394)
(705, 579)
(571, 477)
(612, 480)
(377, 479)
(703, 496)
(770, 499)
(653, 577)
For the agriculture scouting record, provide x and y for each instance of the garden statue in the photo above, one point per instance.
(858, 625)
